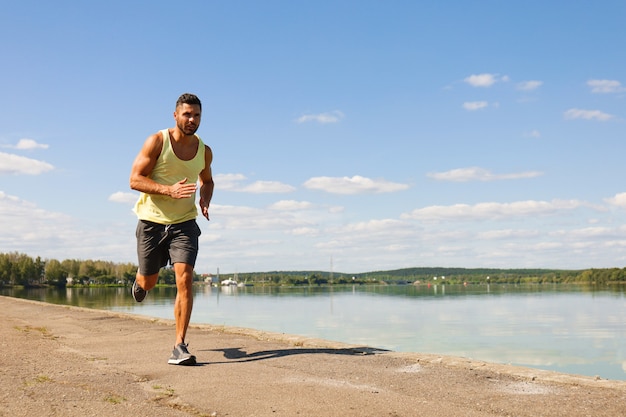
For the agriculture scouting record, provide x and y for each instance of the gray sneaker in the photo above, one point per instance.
(181, 356)
(138, 293)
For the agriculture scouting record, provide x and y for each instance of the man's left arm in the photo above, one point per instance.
(206, 183)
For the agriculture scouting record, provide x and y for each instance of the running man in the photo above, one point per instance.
(165, 172)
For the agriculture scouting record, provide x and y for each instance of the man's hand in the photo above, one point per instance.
(205, 208)
(182, 189)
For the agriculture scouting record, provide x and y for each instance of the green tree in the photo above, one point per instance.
(26, 270)
(5, 269)
(71, 266)
(317, 279)
(55, 273)
(167, 276)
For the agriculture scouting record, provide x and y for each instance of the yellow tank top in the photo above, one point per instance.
(168, 170)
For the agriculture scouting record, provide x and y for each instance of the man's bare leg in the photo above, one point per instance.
(184, 299)
(147, 282)
(142, 284)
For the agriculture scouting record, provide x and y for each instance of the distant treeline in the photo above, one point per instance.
(439, 274)
(21, 269)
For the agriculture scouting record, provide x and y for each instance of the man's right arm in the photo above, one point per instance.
(144, 164)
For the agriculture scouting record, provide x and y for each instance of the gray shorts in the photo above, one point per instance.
(158, 244)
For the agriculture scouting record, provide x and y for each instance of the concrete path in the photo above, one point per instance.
(67, 361)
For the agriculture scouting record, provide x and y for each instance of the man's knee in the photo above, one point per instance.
(147, 282)
(184, 274)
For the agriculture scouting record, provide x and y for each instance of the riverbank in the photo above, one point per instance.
(67, 361)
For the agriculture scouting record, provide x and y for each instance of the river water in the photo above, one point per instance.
(566, 328)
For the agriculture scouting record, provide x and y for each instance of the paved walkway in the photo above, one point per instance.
(67, 361)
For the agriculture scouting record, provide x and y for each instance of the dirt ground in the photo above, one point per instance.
(68, 361)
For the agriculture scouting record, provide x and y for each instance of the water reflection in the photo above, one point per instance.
(574, 329)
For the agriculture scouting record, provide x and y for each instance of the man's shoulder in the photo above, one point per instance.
(158, 137)
(154, 143)
(203, 145)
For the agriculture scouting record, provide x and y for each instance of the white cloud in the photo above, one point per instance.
(374, 226)
(573, 114)
(290, 205)
(529, 85)
(36, 231)
(27, 220)
(240, 218)
(508, 234)
(227, 181)
(475, 105)
(304, 231)
(323, 118)
(618, 200)
(606, 86)
(27, 144)
(125, 198)
(479, 174)
(590, 233)
(354, 185)
(15, 164)
(377, 235)
(233, 182)
(484, 211)
(336, 209)
(485, 80)
(533, 134)
(259, 187)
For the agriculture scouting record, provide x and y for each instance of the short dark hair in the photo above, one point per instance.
(190, 99)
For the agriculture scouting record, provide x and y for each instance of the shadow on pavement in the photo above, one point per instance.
(239, 355)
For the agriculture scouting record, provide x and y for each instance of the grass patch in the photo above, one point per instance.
(167, 392)
(39, 379)
(44, 332)
(114, 399)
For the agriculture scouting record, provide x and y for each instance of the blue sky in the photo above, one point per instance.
(352, 135)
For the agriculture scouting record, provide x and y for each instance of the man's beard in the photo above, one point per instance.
(188, 130)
